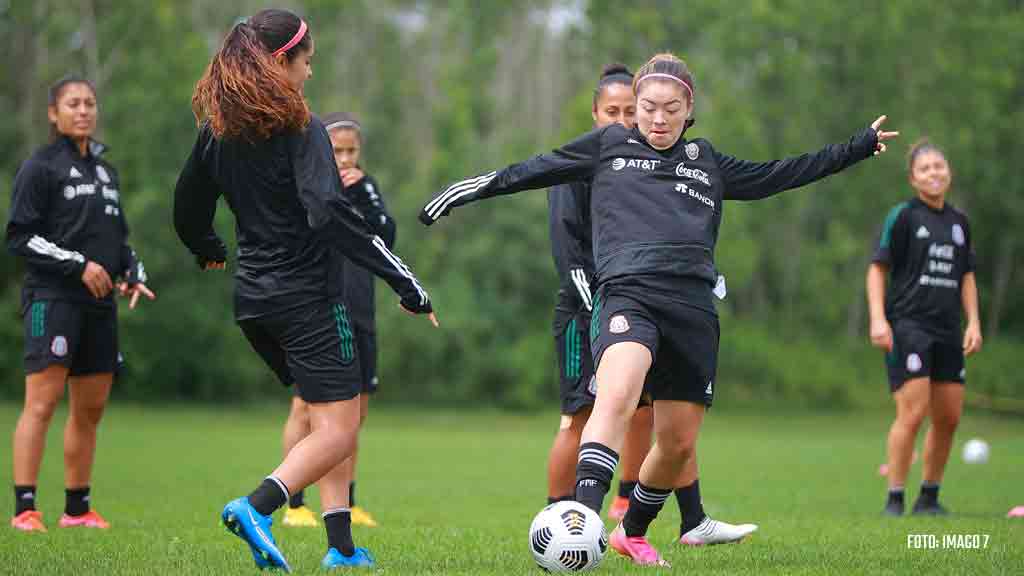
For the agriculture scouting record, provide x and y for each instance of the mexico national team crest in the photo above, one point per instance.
(618, 324)
(958, 235)
(59, 346)
(692, 151)
(913, 363)
(101, 173)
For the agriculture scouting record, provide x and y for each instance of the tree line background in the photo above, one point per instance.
(451, 89)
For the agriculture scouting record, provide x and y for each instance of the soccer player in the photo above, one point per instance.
(363, 192)
(66, 222)
(260, 147)
(656, 205)
(573, 254)
(925, 250)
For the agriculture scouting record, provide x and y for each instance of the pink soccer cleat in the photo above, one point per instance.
(618, 509)
(29, 521)
(1016, 512)
(90, 519)
(636, 548)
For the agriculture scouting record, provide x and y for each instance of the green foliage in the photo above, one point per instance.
(446, 90)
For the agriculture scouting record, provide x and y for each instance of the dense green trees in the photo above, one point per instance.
(448, 89)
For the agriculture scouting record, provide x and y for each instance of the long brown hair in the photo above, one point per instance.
(244, 91)
(57, 90)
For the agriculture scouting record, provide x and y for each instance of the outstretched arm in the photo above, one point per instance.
(331, 214)
(574, 161)
(756, 180)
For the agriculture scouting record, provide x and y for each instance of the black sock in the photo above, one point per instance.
(553, 499)
(644, 504)
(352, 493)
(594, 470)
(691, 508)
(896, 495)
(626, 488)
(24, 499)
(76, 501)
(269, 496)
(929, 492)
(297, 500)
(339, 530)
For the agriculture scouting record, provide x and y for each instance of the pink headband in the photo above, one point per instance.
(668, 77)
(295, 39)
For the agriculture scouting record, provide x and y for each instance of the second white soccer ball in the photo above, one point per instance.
(567, 537)
(975, 451)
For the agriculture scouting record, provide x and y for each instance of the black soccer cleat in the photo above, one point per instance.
(929, 508)
(893, 508)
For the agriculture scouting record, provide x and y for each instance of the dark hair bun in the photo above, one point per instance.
(613, 69)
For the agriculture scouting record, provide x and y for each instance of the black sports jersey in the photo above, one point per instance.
(928, 252)
(655, 213)
(66, 211)
(293, 222)
(359, 291)
(571, 247)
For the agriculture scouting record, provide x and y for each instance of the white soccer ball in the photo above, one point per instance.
(975, 451)
(567, 537)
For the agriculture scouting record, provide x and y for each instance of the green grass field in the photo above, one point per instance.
(455, 492)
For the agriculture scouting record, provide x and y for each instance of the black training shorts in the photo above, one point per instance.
(575, 364)
(81, 337)
(920, 353)
(682, 338)
(313, 347)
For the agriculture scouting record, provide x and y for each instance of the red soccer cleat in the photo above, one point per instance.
(90, 519)
(618, 509)
(29, 521)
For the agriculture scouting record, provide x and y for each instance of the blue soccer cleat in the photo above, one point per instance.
(242, 520)
(360, 559)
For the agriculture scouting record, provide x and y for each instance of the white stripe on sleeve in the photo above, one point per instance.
(44, 247)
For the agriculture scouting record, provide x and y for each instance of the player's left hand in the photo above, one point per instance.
(134, 291)
(350, 176)
(972, 339)
(882, 135)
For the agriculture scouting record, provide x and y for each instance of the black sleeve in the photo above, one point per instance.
(566, 202)
(970, 258)
(331, 214)
(132, 270)
(366, 197)
(195, 204)
(755, 180)
(27, 225)
(576, 160)
(892, 241)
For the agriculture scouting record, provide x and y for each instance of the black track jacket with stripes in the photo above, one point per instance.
(571, 247)
(66, 211)
(654, 213)
(293, 222)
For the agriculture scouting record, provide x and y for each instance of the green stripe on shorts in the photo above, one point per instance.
(345, 333)
(38, 319)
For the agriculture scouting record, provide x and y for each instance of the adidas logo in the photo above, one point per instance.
(922, 232)
(75, 173)
(631, 141)
(709, 390)
(28, 495)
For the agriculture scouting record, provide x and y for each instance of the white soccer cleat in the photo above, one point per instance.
(711, 532)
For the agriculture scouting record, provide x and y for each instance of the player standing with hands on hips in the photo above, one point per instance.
(260, 147)
(67, 223)
(656, 206)
(925, 250)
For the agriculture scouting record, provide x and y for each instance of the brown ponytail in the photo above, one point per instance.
(244, 91)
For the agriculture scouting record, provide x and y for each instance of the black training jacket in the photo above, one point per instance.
(293, 223)
(654, 213)
(66, 211)
(928, 252)
(571, 247)
(359, 291)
